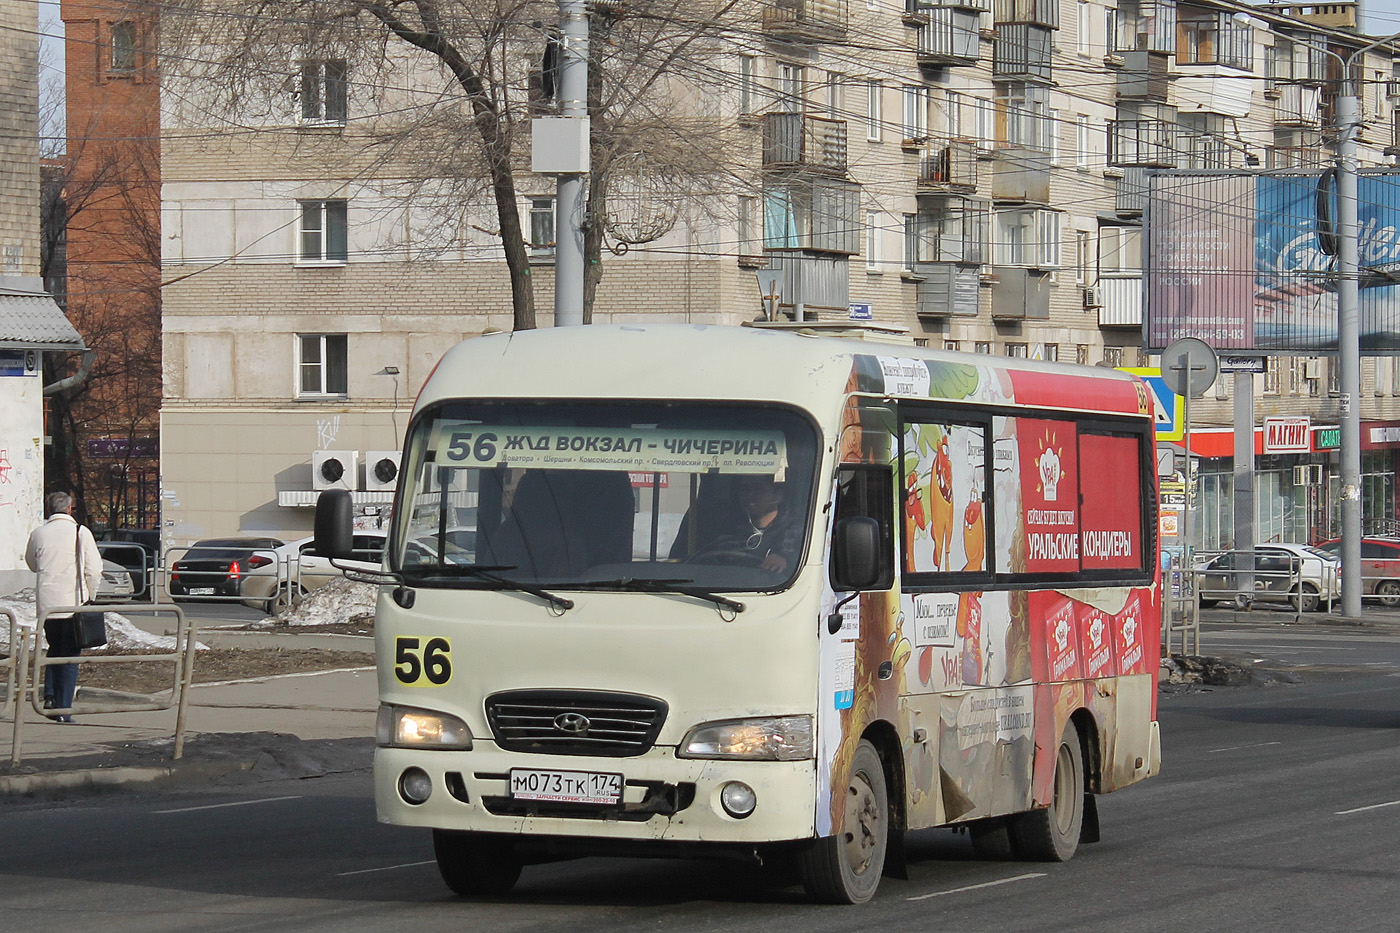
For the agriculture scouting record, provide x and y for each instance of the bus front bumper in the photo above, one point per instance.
(664, 798)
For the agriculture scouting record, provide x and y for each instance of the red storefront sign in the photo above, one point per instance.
(1288, 435)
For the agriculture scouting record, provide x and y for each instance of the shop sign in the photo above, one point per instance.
(1327, 438)
(1287, 435)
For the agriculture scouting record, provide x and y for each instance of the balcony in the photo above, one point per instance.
(1301, 157)
(1131, 198)
(810, 213)
(950, 37)
(1035, 12)
(1144, 76)
(805, 20)
(1020, 294)
(802, 141)
(1145, 26)
(1121, 301)
(947, 289)
(948, 169)
(1021, 175)
(1142, 143)
(1021, 52)
(812, 284)
(1298, 105)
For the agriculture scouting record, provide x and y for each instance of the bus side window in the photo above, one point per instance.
(864, 490)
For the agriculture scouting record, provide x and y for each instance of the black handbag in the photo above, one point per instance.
(89, 629)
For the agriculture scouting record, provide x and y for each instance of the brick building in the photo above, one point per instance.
(969, 169)
(111, 189)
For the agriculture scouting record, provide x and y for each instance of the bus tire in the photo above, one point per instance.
(470, 865)
(991, 839)
(1051, 834)
(846, 868)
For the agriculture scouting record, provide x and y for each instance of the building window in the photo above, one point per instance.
(1082, 43)
(790, 91)
(1054, 137)
(1083, 257)
(1017, 351)
(1210, 37)
(872, 241)
(1027, 238)
(874, 110)
(950, 230)
(912, 235)
(915, 113)
(1272, 375)
(124, 46)
(1113, 357)
(323, 232)
(322, 364)
(834, 102)
(950, 345)
(1050, 352)
(746, 83)
(1081, 354)
(1023, 112)
(982, 346)
(323, 92)
(1082, 140)
(541, 225)
(748, 227)
(1120, 251)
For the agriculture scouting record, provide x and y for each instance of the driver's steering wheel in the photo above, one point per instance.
(726, 557)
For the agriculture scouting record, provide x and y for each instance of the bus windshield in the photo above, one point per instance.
(605, 495)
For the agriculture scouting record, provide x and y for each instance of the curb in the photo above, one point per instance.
(33, 785)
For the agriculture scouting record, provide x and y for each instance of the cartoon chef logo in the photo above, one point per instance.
(1096, 632)
(1050, 473)
(1129, 630)
(1061, 634)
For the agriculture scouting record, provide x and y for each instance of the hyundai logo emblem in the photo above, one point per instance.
(574, 723)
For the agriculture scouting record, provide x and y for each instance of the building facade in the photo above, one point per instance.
(972, 170)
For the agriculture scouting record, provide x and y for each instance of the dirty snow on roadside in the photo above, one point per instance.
(121, 631)
(336, 602)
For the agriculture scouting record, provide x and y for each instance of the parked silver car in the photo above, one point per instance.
(1282, 569)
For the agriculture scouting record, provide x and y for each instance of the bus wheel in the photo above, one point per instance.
(1052, 834)
(471, 865)
(845, 868)
(991, 839)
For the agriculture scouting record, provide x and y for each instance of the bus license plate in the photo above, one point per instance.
(566, 786)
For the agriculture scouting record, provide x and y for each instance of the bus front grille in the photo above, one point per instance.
(575, 722)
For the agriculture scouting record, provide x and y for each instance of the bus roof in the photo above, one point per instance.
(720, 363)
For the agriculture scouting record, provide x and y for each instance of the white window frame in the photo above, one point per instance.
(954, 115)
(915, 113)
(537, 208)
(325, 92)
(320, 369)
(1083, 40)
(1028, 237)
(750, 237)
(791, 88)
(1054, 136)
(1083, 256)
(1120, 251)
(747, 83)
(835, 87)
(1082, 130)
(872, 242)
(315, 242)
(874, 110)
(124, 39)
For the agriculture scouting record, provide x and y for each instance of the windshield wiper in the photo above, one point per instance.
(485, 572)
(652, 585)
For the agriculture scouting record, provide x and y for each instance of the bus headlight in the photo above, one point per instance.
(406, 727)
(767, 738)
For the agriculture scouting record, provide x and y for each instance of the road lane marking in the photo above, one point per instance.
(974, 887)
(1374, 806)
(366, 871)
(1235, 748)
(236, 803)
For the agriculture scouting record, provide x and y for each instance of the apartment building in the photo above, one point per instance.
(971, 170)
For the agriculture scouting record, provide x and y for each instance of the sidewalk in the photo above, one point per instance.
(290, 725)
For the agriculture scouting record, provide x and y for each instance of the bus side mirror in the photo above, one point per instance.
(855, 553)
(334, 523)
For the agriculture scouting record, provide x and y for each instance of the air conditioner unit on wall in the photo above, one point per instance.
(335, 469)
(381, 470)
(1093, 297)
(1307, 474)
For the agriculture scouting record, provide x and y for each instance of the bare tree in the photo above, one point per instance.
(457, 83)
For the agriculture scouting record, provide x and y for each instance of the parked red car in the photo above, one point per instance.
(1380, 567)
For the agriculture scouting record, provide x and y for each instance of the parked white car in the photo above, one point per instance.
(116, 584)
(299, 569)
(1319, 575)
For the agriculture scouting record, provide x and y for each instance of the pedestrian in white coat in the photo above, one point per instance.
(58, 550)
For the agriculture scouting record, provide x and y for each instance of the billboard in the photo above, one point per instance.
(1248, 262)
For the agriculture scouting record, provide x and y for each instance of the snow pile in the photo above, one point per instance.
(121, 631)
(337, 602)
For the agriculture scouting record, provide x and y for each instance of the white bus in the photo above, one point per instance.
(687, 590)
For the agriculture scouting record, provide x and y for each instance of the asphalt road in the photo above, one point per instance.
(1278, 808)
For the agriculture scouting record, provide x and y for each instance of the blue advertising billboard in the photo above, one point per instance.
(1248, 262)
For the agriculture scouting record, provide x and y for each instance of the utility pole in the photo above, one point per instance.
(560, 148)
